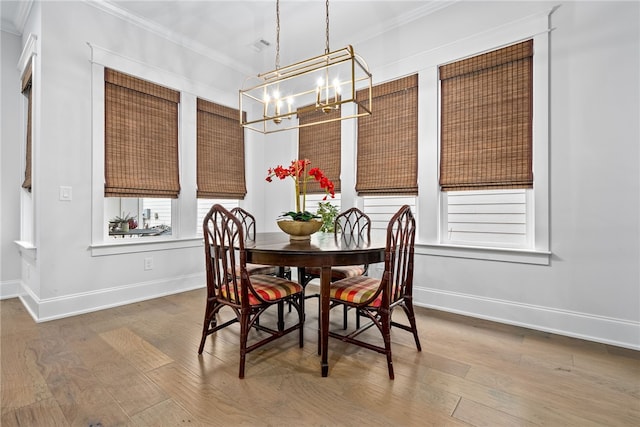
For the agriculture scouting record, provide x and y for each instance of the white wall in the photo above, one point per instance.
(11, 139)
(591, 287)
(67, 278)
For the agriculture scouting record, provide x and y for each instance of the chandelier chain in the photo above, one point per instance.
(327, 9)
(277, 34)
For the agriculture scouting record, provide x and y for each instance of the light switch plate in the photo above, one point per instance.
(65, 193)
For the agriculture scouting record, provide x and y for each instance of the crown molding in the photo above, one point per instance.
(30, 49)
(111, 8)
(15, 22)
(427, 9)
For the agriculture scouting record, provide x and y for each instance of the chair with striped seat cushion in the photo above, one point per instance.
(348, 225)
(267, 288)
(357, 290)
(376, 299)
(247, 296)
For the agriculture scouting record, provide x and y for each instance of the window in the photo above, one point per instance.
(434, 237)
(387, 151)
(486, 147)
(141, 151)
(220, 152)
(29, 87)
(26, 91)
(321, 144)
(141, 138)
(220, 159)
(485, 120)
(151, 216)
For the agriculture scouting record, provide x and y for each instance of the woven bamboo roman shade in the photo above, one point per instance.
(486, 120)
(321, 145)
(26, 91)
(220, 152)
(141, 138)
(387, 160)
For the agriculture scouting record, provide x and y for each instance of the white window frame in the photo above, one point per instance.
(27, 243)
(181, 236)
(430, 240)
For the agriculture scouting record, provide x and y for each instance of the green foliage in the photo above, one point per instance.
(300, 216)
(122, 219)
(328, 213)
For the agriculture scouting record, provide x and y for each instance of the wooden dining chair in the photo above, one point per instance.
(247, 296)
(375, 299)
(352, 224)
(249, 224)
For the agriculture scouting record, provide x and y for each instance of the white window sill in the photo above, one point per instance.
(524, 256)
(142, 245)
(27, 249)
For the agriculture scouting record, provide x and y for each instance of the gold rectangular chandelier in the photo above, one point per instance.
(273, 101)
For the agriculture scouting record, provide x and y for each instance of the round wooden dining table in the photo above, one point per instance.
(324, 250)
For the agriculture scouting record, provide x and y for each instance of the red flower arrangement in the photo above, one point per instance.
(298, 172)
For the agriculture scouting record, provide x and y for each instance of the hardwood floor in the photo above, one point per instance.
(137, 365)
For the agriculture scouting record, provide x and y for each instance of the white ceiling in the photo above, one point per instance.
(230, 30)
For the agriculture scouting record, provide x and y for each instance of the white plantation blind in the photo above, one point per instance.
(381, 208)
(488, 218)
(205, 204)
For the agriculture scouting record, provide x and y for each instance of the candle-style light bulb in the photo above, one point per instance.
(266, 104)
(325, 106)
(318, 89)
(289, 103)
(277, 120)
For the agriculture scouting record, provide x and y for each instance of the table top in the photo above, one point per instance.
(138, 232)
(324, 249)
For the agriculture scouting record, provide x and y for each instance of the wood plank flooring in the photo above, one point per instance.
(137, 365)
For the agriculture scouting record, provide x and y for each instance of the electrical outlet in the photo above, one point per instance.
(148, 263)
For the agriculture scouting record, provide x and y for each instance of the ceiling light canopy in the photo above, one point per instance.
(273, 101)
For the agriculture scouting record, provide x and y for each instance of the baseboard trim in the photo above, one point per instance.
(43, 310)
(606, 330)
(9, 289)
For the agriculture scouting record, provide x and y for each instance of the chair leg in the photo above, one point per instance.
(345, 311)
(301, 319)
(319, 332)
(386, 335)
(281, 316)
(408, 308)
(244, 333)
(302, 280)
(208, 317)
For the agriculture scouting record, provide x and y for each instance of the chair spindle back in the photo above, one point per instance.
(353, 224)
(398, 271)
(224, 251)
